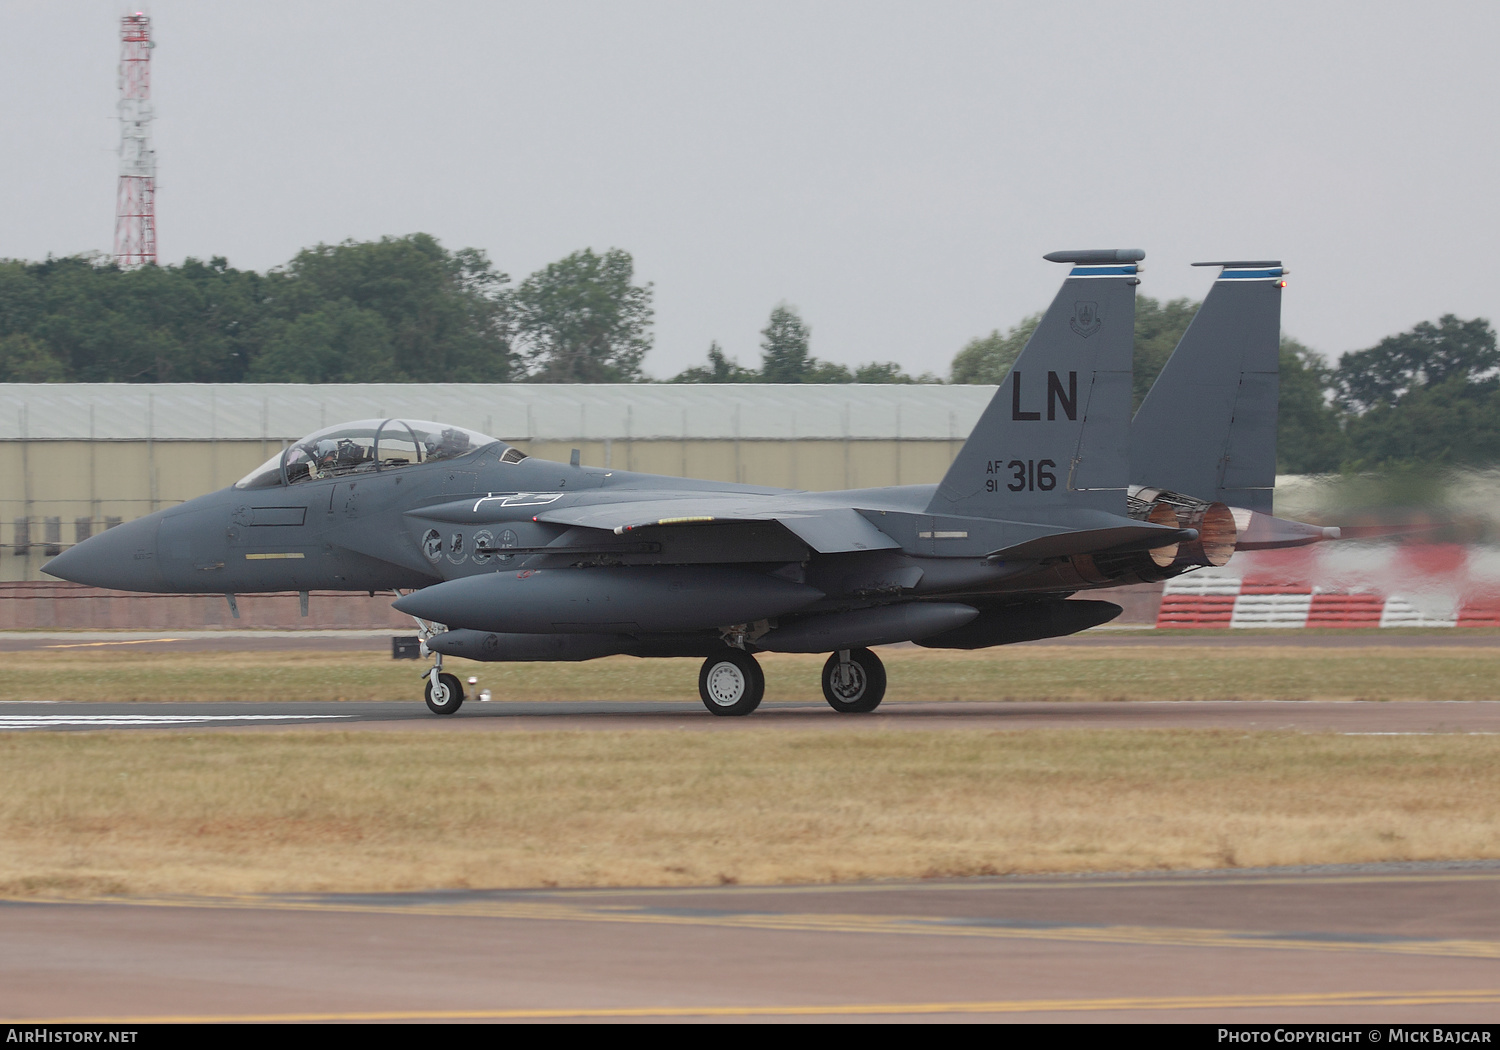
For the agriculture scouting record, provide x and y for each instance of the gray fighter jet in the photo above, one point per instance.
(511, 558)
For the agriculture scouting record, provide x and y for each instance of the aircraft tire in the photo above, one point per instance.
(447, 698)
(857, 689)
(731, 683)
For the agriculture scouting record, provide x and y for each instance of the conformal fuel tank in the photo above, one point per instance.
(613, 599)
(825, 632)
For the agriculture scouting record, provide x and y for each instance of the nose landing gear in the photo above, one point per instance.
(444, 692)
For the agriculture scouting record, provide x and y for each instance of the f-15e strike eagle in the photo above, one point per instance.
(507, 557)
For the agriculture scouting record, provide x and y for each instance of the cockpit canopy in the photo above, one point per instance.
(369, 446)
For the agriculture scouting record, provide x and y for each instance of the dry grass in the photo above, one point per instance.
(303, 811)
(1156, 672)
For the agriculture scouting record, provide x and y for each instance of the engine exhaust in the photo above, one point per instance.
(1217, 532)
(1217, 535)
(1161, 514)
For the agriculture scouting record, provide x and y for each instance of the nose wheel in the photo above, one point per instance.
(444, 693)
(854, 681)
(731, 683)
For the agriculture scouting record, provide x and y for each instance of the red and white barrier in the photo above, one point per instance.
(1397, 585)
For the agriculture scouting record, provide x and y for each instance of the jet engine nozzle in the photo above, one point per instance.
(1217, 531)
(1161, 514)
(1217, 535)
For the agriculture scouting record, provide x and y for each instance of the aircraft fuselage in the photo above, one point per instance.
(400, 530)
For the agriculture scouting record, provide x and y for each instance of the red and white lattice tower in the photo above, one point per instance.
(135, 206)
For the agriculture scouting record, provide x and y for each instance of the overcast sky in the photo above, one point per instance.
(893, 170)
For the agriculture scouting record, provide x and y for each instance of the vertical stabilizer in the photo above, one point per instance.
(1056, 436)
(1208, 427)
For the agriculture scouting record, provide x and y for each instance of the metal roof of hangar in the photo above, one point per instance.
(510, 411)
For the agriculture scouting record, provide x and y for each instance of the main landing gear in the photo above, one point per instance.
(854, 681)
(732, 683)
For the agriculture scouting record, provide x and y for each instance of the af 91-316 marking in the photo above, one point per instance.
(1027, 475)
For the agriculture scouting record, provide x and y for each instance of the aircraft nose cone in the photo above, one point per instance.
(122, 558)
(424, 605)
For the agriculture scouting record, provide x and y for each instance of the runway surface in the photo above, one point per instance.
(1368, 944)
(1365, 944)
(1424, 716)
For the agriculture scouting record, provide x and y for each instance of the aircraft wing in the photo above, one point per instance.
(827, 530)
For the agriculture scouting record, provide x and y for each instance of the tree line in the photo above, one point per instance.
(406, 309)
(400, 309)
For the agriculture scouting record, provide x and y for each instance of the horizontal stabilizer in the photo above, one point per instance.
(1136, 535)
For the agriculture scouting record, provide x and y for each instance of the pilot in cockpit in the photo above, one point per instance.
(336, 457)
(453, 442)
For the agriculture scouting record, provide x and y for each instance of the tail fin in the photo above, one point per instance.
(1055, 438)
(1208, 426)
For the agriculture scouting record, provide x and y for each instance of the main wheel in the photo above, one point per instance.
(856, 685)
(731, 683)
(446, 697)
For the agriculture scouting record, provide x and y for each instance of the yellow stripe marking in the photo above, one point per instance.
(133, 641)
(1014, 1006)
(290, 555)
(684, 520)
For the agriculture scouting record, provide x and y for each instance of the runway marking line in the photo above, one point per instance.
(110, 721)
(133, 641)
(1015, 1006)
(905, 925)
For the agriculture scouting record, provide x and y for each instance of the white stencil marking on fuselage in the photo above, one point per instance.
(520, 499)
